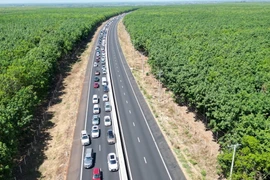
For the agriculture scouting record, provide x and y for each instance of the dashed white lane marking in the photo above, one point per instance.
(138, 139)
(124, 93)
(119, 75)
(129, 111)
(127, 102)
(120, 80)
(133, 124)
(99, 147)
(145, 160)
(122, 86)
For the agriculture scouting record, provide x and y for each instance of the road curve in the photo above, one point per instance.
(147, 152)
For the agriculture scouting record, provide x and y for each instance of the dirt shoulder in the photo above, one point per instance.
(193, 146)
(191, 143)
(64, 118)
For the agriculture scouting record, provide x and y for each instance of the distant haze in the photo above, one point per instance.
(113, 1)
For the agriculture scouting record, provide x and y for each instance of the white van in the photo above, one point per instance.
(104, 81)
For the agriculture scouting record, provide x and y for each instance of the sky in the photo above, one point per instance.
(94, 1)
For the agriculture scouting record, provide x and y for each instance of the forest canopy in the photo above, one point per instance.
(216, 58)
(32, 41)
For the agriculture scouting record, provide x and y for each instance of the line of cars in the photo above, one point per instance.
(95, 130)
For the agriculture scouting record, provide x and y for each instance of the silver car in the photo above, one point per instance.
(108, 107)
(88, 158)
(110, 137)
(96, 119)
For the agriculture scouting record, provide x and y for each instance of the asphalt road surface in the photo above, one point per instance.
(142, 137)
(147, 154)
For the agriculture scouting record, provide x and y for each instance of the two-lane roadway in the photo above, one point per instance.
(142, 151)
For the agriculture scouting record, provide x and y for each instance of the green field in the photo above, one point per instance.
(33, 40)
(216, 59)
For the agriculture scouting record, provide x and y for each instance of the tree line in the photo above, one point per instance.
(216, 58)
(32, 41)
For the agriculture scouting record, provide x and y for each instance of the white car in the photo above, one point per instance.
(95, 64)
(95, 99)
(104, 71)
(107, 121)
(103, 58)
(95, 132)
(85, 138)
(96, 109)
(112, 162)
(105, 97)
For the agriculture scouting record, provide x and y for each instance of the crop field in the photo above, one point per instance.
(33, 40)
(216, 59)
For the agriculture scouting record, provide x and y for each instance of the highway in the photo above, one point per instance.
(147, 155)
(100, 146)
(143, 155)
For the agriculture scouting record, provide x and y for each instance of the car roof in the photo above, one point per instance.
(95, 95)
(96, 170)
(88, 151)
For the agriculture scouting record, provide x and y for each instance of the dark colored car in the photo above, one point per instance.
(96, 79)
(105, 88)
(96, 85)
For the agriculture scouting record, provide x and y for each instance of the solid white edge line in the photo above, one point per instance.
(86, 112)
(118, 146)
(138, 139)
(144, 116)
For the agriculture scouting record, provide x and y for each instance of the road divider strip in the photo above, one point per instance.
(118, 144)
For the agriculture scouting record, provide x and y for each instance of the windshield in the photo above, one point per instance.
(88, 158)
(96, 176)
(113, 161)
(84, 137)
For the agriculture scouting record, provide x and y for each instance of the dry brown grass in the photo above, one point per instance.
(64, 118)
(193, 146)
(65, 114)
